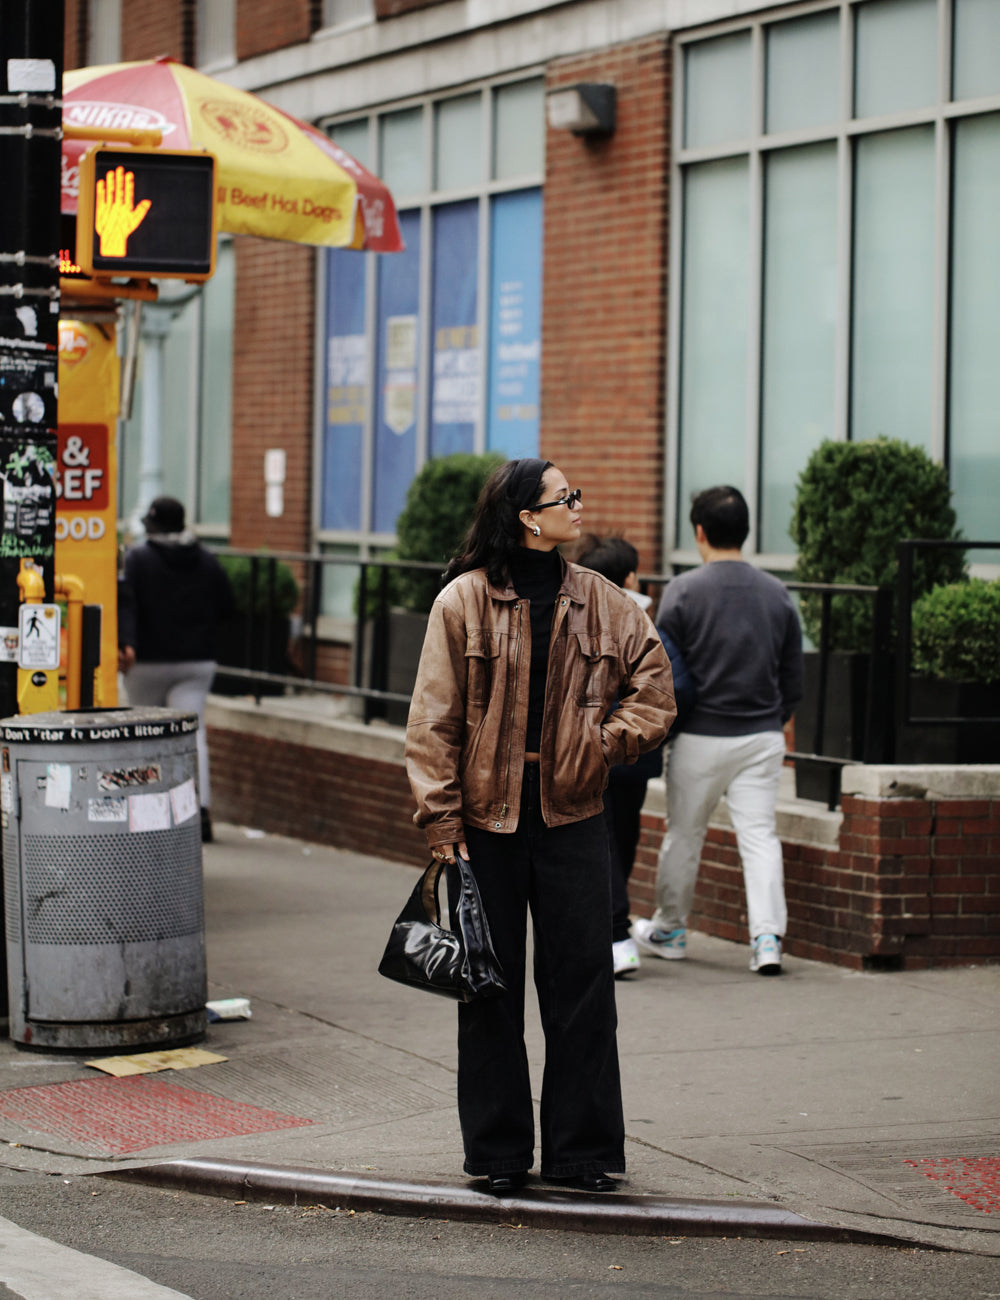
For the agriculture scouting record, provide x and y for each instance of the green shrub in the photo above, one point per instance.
(439, 507)
(854, 502)
(956, 632)
(286, 589)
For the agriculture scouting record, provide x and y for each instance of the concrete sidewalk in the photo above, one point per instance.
(824, 1104)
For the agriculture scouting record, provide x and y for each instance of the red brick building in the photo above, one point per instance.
(753, 259)
(788, 235)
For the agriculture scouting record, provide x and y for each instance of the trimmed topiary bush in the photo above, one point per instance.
(439, 507)
(855, 501)
(956, 632)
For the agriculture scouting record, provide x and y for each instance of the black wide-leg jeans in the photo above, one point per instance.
(562, 875)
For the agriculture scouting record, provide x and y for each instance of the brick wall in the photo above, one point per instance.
(907, 883)
(604, 296)
(74, 34)
(329, 797)
(911, 883)
(393, 8)
(263, 25)
(272, 389)
(151, 28)
(334, 662)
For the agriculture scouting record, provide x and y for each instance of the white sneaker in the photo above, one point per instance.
(669, 944)
(626, 957)
(765, 955)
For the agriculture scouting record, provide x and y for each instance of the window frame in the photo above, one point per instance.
(220, 59)
(369, 541)
(188, 453)
(756, 147)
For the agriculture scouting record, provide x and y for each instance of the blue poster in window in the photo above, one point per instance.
(396, 329)
(515, 322)
(456, 384)
(345, 390)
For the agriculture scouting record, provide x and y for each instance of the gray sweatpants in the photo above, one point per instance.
(182, 686)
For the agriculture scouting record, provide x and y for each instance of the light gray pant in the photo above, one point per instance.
(700, 770)
(183, 686)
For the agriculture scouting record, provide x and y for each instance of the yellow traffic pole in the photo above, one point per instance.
(70, 586)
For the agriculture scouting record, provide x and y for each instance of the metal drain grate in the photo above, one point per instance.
(116, 1116)
(974, 1180)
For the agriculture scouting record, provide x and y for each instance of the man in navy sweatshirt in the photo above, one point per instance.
(171, 598)
(739, 633)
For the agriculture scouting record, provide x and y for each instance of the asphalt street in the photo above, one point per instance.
(214, 1248)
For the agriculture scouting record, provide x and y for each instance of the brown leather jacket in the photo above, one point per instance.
(468, 716)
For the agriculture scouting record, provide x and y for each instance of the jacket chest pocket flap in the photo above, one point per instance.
(482, 650)
(596, 669)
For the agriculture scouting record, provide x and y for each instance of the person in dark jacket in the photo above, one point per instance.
(171, 599)
(618, 560)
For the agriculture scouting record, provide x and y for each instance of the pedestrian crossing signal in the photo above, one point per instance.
(146, 213)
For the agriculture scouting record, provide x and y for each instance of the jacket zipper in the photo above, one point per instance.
(510, 739)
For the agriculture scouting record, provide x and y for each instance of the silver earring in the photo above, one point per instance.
(537, 531)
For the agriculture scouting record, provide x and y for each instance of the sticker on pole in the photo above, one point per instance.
(38, 642)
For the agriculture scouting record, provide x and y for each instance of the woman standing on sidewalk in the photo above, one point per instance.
(508, 747)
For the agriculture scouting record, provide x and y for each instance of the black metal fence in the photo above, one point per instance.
(263, 666)
(908, 551)
(259, 665)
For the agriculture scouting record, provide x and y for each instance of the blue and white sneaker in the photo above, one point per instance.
(671, 945)
(765, 954)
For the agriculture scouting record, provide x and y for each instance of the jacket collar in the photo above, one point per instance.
(571, 586)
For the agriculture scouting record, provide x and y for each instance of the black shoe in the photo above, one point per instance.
(206, 827)
(596, 1182)
(504, 1184)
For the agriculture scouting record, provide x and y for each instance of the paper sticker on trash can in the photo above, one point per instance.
(107, 809)
(120, 777)
(184, 801)
(58, 785)
(149, 812)
(38, 628)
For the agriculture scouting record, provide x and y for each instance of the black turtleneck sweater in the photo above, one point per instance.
(537, 576)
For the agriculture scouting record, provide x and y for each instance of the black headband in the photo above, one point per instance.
(525, 482)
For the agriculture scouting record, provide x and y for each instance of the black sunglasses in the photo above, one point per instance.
(574, 498)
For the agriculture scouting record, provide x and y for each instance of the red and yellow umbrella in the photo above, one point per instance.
(276, 177)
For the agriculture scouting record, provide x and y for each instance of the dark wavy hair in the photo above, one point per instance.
(496, 531)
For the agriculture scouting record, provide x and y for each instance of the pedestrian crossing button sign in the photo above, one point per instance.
(38, 639)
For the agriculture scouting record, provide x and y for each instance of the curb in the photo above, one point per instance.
(541, 1207)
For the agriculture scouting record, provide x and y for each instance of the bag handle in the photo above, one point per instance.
(429, 889)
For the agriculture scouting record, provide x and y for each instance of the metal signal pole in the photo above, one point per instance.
(31, 64)
(31, 60)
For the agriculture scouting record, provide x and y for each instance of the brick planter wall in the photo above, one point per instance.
(341, 784)
(910, 882)
(908, 877)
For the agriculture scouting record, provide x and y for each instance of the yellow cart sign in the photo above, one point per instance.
(86, 481)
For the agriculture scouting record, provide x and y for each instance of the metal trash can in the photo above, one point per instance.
(103, 878)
